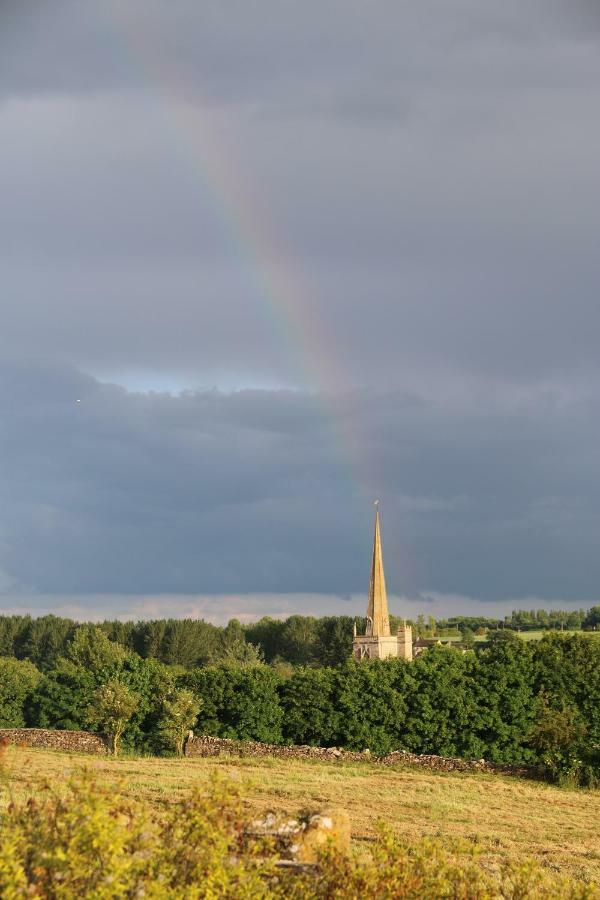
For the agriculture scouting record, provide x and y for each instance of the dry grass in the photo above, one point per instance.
(507, 816)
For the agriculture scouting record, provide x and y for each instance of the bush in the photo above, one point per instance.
(560, 737)
(96, 842)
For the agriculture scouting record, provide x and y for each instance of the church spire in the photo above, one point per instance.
(378, 621)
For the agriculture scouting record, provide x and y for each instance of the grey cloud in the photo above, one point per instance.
(254, 492)
(240, 46)
(426, 179)
(385, 216)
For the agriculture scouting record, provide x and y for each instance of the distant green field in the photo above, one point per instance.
(537, 635)
(525, 635)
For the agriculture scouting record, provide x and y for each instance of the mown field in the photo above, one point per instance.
(509, 817)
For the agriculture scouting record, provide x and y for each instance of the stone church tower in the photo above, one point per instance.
(378, 642)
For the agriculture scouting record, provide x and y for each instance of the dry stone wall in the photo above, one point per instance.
(71, 741)
(84, 742)
(212, 746)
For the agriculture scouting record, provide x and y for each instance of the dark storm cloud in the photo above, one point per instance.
(423, 180)
(252, 492)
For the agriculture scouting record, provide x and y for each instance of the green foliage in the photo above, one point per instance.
(468, 636)
(184, 642)
(568, 677)
(96, 843)
(43, 640)
(234, 649)
(152, 682)
(90, 649)
(299, 640)
(481, 703)
(559, 736)
(335, 635)
(591, 622)
(62, 697)
(502, 636)
(239, 703)
(179, 713)
(505, 691)
(113, 704)
(370, 700)
(303, 640)
(18, 681)
(310, 714)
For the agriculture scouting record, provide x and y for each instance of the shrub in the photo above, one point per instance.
(94, 841)
(560, 737)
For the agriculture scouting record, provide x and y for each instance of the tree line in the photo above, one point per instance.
(509, 702)
(296, 641)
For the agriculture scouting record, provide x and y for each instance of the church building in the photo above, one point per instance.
(378, 642)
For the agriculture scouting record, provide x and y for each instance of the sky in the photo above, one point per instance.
(264, 262)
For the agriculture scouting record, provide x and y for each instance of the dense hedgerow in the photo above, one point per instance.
(94, 841)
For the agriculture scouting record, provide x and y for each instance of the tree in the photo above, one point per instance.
(504, 691)
(44, 640)
(113, 706)
(234, 649)
(468, 636)
(179, 713)
(334, 642)
(239, 703)
(441, 711)
(18, 680)
(591, 621)
(369, 703)
(558, 736)
(299, 640)
(152, 682)
(266, 633)
(91, 650)
(11, 630)
(63, 697)
(310, 713)
(239, 653)
(503, 636)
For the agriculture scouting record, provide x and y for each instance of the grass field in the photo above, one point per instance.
(535, 635)
(509, 817)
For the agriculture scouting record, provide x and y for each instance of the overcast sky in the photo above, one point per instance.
(262, 262)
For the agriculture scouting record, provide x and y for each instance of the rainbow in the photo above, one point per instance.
(281, 287)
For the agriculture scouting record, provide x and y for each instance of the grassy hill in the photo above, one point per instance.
(509, 817)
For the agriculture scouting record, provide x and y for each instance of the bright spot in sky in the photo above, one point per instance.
(163, 383)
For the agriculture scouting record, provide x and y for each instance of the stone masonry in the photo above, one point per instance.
(48, 739)
(212, 746)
